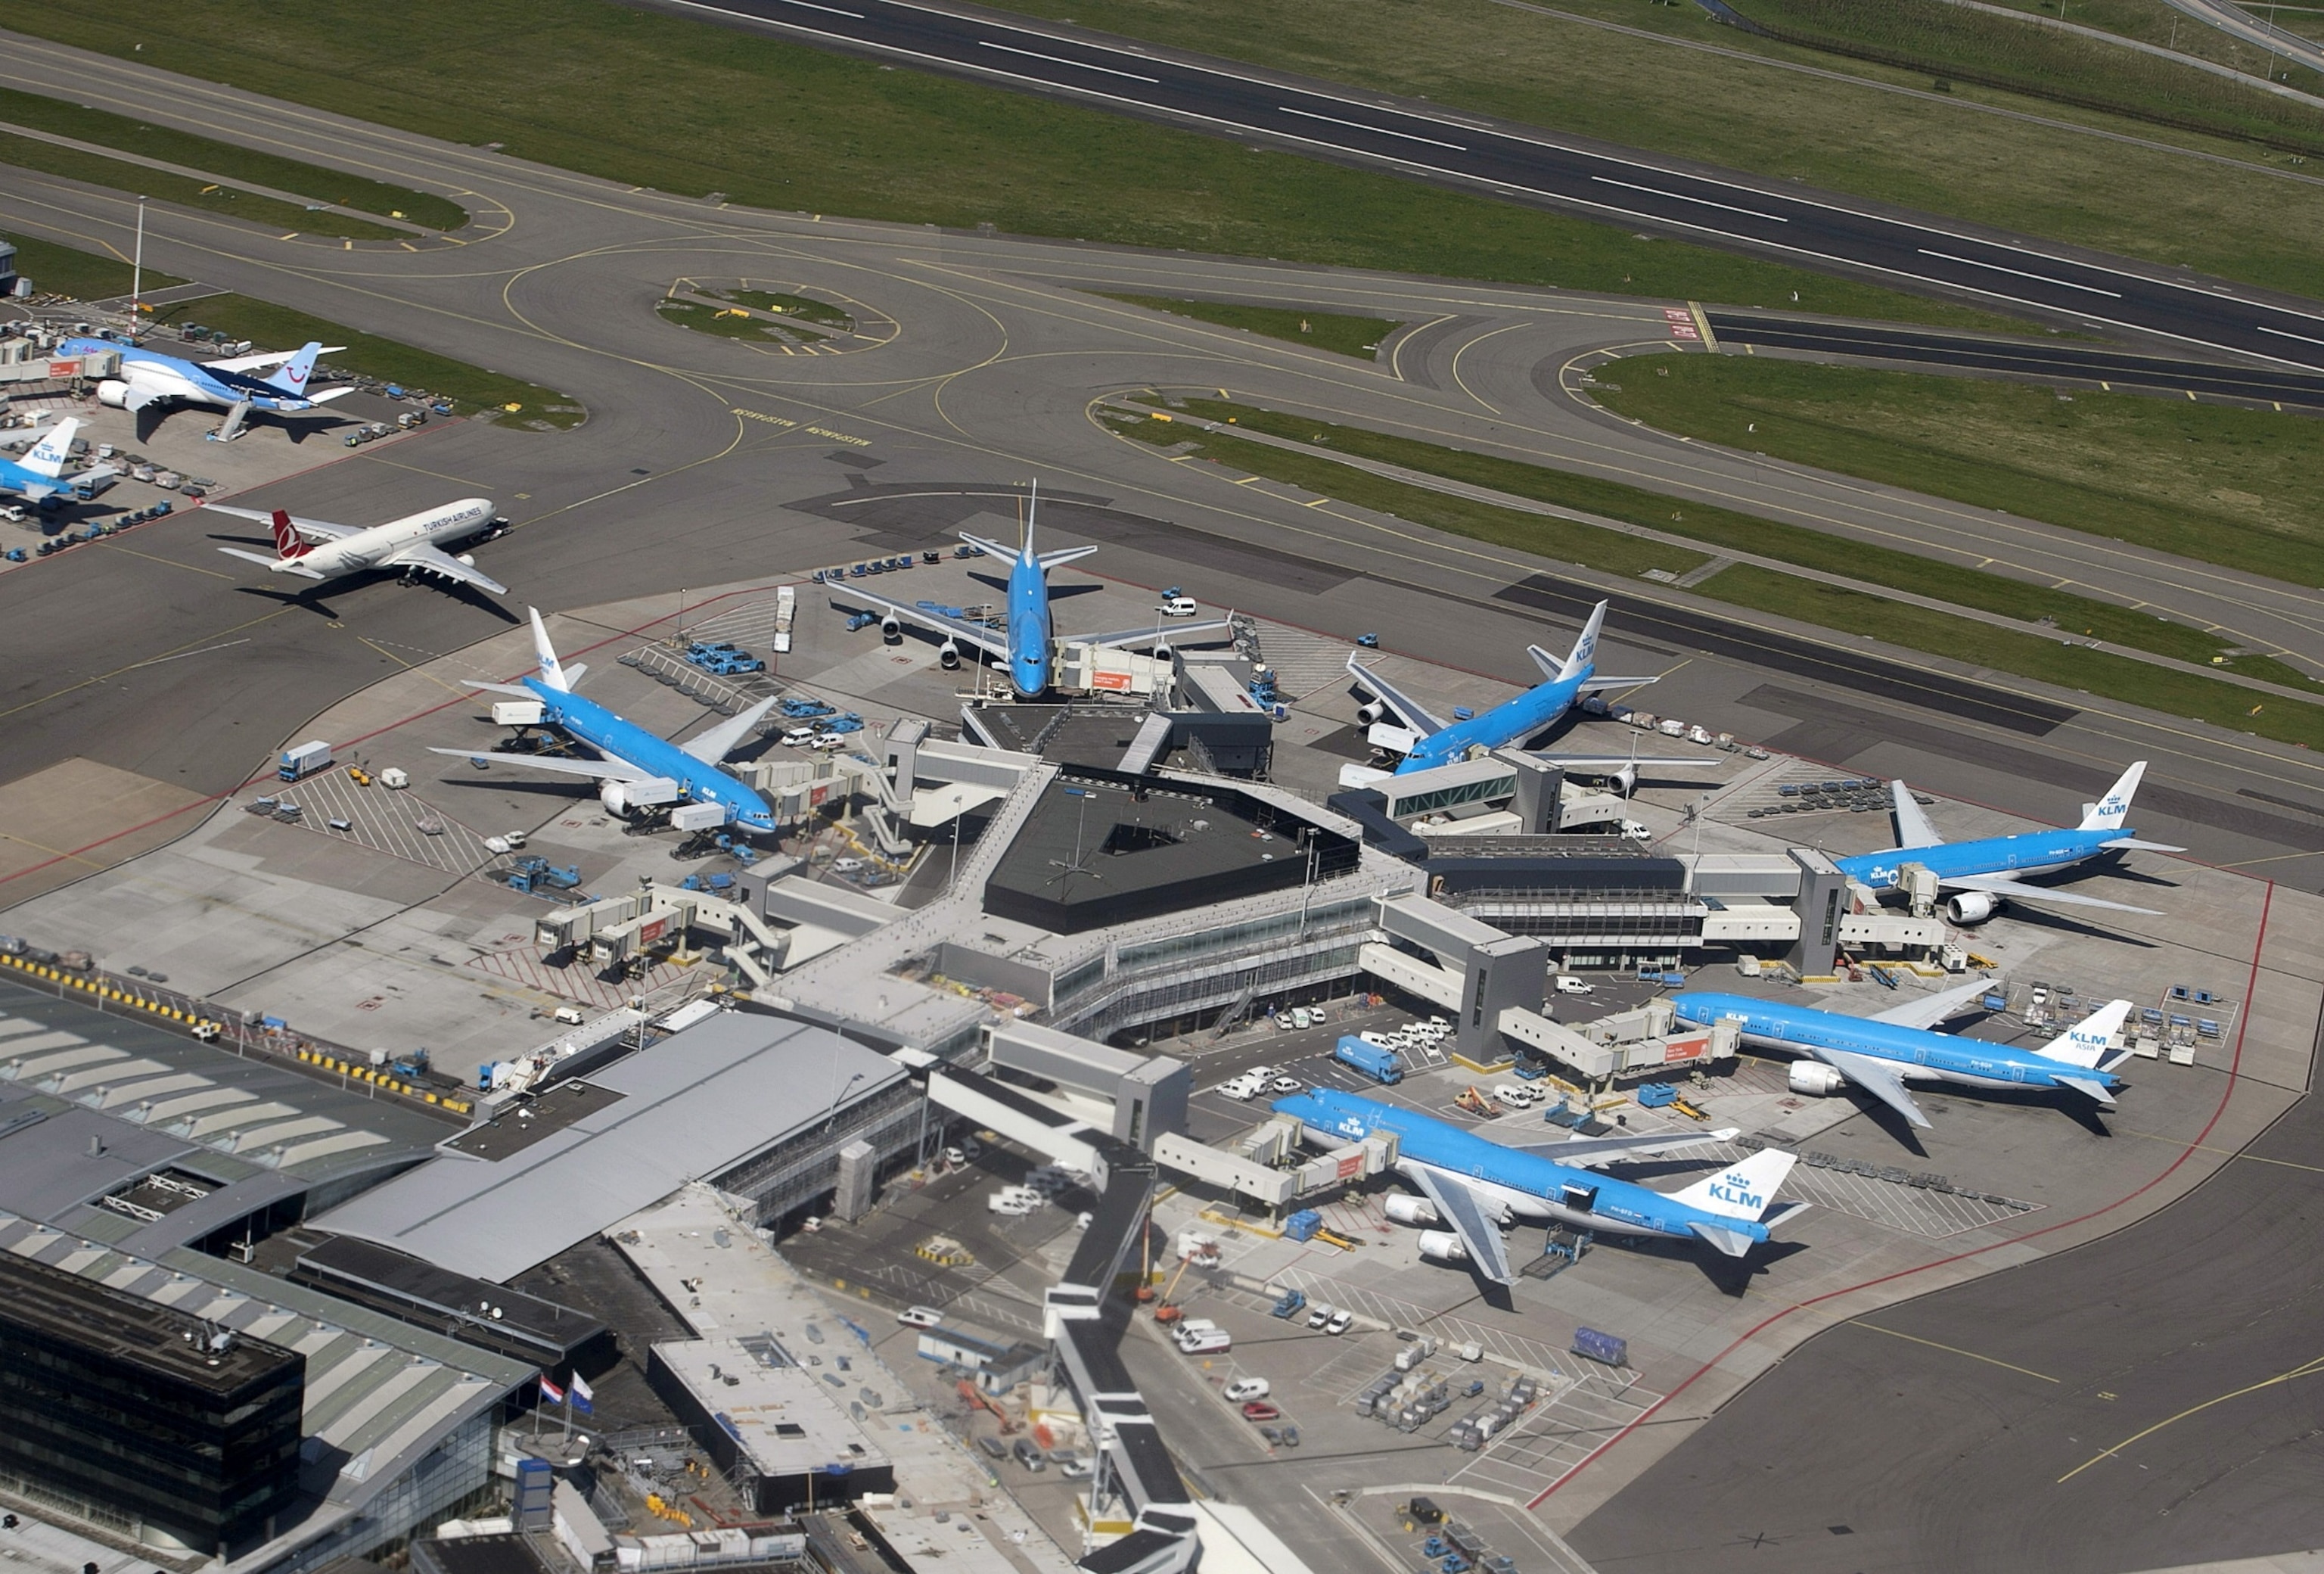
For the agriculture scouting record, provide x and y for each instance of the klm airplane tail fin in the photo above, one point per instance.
(1740, 1190)
(1585, 649)
(2091, 1040)
(2110, 812)
(293, 377)
(552, 670)
(49, 454)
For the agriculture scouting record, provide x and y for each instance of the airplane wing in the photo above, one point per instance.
(1168, 633)
(263, 358)
(596, 769)
(314, 530)
(435, 561)
(716, 743)
(1876, 1077)
(1929, 1010)
(2017, 890)
(1615, 762)
(987, 640)
(276, 564)
(1465, 1211)
(1912, 827)
(1410, 711)
(1588, 1153)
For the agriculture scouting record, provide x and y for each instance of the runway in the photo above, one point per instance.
(1526, 163)
(705, 459)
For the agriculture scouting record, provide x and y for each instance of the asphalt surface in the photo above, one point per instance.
(2018, 358)
(1526, 164)
(705, 461)
(2152, 1400)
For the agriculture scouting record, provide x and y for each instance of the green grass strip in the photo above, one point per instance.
(710, 319)
(1961, 639)
(1588, 545)
(83, 275)
(1324, 330)
(229, 161)
(648, 99)
(1731, 531)
(474, 390)
(2242, 488)
(28, 153)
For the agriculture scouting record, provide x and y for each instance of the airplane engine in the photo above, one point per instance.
(114, 393)
(948, 656)
(469, 559)
(1442, 1247)
(1412, 1211)
(614, 797)
(1625, 781)
(891, 631)
(1162, 651)
(1815, 1079)
(1970, 907)
(1370, 712)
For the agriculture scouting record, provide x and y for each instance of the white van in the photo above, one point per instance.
(1633, 831)
(1567, 984)
(1216, 1342)
(1179, 607)
(1301, 1017)
(1243, 1390)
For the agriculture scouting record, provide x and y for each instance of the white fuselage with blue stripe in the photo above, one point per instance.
(171, 380)
(1525, 1184)
(1915, 1054)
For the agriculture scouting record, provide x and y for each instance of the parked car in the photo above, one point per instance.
(1340, 1322)
(1286, 1085)
(1259, 1410)
(1320, 1314)
(1029, 1455)
(994, 1447)
(922, 1317)
(1244, 1389)
(1216, 1342)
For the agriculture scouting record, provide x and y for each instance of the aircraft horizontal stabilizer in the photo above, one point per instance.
(1732, 1242)
(328, 394)
(2090, 1086)
(1599, 680)
(1785, 1214)
(280, 565)
(519, 689)
(2133, 844)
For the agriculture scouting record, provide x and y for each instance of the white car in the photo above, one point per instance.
(799, 737)
(1339, 1323)
(1319, 1313)
(1243, 1390)
(1286, 1086)
(1283, 1019)
(847, 865)
(1516, 1095)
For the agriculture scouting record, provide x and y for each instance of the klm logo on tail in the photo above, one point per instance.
(1734, 1188)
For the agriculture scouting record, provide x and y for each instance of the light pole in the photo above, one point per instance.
(137, 269)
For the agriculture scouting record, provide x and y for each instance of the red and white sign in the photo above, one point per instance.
(65, 368)
(1110, 681)
(1682, 324)
(1351, 1166)
(1693, 1049)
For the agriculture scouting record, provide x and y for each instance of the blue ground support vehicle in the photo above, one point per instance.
(1374, 1060)
(799, 707)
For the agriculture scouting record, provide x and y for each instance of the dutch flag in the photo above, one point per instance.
(549, 1393)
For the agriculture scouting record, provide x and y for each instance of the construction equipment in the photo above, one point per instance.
(1477, 1104)
(1167, 1312)
(977, 1399)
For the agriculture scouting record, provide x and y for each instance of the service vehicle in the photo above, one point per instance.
(920, 1317)
(1243, 1389)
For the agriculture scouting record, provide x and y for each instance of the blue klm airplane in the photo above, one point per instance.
(636, 769)
(1881, 1054)
(40, 476)
(1028, 642)
(1473, 1183)
(1980, 870)
(1425, 742)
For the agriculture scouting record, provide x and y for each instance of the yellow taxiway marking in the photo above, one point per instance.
(1948, 1349)
(2306, 1369)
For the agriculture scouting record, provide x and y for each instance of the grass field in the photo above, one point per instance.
(806, 308)
(31, 154)
(1949, 40)
(474, 390)
(1726, 529)
(719, 324)
(1848, 611)
(1325, 330)
(2243, 488)
(1639, 88)
(655, 100)
(2155, 22)
(229, 161)
(84, 275)
(1586, 544)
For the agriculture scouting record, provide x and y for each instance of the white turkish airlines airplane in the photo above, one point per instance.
(315, 548)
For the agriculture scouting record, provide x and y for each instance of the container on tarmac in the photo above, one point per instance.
(303, 760)
(1379, 1064)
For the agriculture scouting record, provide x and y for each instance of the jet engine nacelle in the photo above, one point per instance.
(1442, 1247)
(1815, 1079)
(1625, 781)
(469, 558)
(1369, 712)
(1162, 651)
(615, 797)
(891, 631)
(115, 392)
(948, 656)
(1412, 1211)
(1971, 906)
